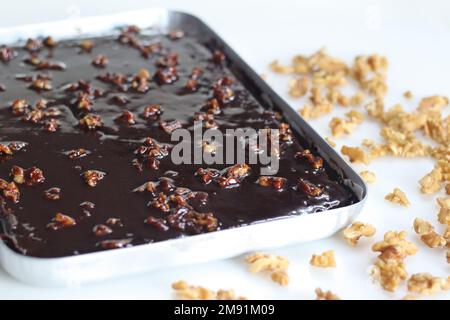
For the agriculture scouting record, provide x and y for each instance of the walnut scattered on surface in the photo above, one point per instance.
(355, 154)
(368, 176)
(425, 283)
(444, 211)
(326, 295)
(341, 126)
(277, 265)
(298, 87)
(431, 182)
(357, 230)
(330, 142)
(184, 291)
(398, 196)
(427, 234)
(389, 268)
(324, 260)
(408, 94)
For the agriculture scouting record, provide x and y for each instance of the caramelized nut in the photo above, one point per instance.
(101, 230)
(92, 177)
(53, 193)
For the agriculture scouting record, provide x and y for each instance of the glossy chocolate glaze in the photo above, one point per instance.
(111, 150)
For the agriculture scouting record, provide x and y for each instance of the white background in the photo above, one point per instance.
(414, 35)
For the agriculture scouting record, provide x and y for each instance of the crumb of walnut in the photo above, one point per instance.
(368, 176)
(330, 142)
(431, 182)
(281, 277)
(447, 255)
(61, 221)
(10, 190)
(277, 265)
(324, 260)
(326, 295)
(298, 87)
(357, 230)
(425, 283)
(408, 94)
(355, 154)
(427, 234)
(184, 291)
(398, 196)
(394, 246)
(389, 273)
(92, 177)
(444, 212)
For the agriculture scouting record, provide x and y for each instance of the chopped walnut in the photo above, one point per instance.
(126, 117)
(100, 61)
(30, 177)
(368, 176)
(341, 126)
(357, 230)
(298, 87)
(389, 273)
(53, 193)
(326, 295)
(152, 111)
(324, 260)
(77, 153)
(431, 182)
(427, 234)
(309, 188)
(277, 265)
(425, 283)
(398, 196)
(444, 212)
(330, 142)
(61, 221)
(92, 177)
(101, 230)
(355, 154)
(10, 190)
(278, 183)
(394, 246)
(315, 161)
(184, 291)
(408, 94)
(91, 121)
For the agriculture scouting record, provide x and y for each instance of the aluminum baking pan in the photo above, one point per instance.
(98, 266)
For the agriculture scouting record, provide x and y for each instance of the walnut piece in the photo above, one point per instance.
(398, 196)
(184, 291)
(368, 176)
(425, 283)
(324, 260)
(357, 230)
(444, 212)
(325, 295)
(427, 234)
(277, 265)
(355, 154)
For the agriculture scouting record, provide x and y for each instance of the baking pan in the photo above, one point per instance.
(97, 266)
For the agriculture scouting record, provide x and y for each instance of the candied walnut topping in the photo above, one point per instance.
(149, 153)
(176, 34)
(425, 283)
(53, 193)
(278, 183)
(368, 176)
(276, 265)
(19, 107)
(324, 260)
(159, 223)
(427, 234)
(115, 244)
(7, 54)
(152, 111)
(184, 291)
(41, 83)
(315, 161)
(51, 125)
(169, 127)
(114, 222)
(326, 295)
(101, 230)
(91, 121)
(218, 57)
(61, 221)
(166, 75)
(309, 188)
(92, 177)
(127, 117)
(389, 268)
(49, 42)
(190, 221)
(398, 196)
(77, 153)
(100, 61)
(356, 230)
(10, 190)
(30, 177)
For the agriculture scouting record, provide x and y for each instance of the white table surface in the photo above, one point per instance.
(414, 35)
